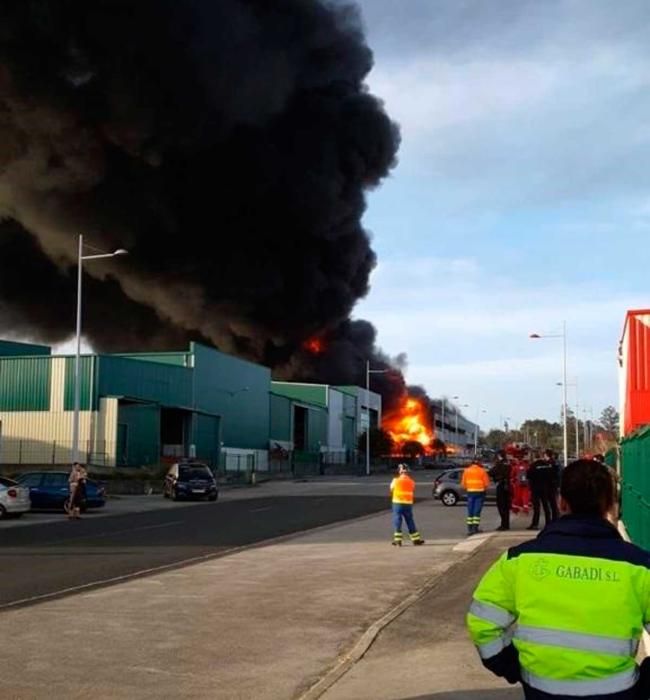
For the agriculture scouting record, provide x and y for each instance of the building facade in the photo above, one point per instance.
(136, 409)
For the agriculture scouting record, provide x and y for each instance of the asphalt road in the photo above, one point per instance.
(57, 558)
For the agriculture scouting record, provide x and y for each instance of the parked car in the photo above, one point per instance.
(448, 490)
(50, 491)
(190, 480)
(14, 498)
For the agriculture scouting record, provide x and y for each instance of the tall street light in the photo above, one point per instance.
(577, 417)
(456, 407)
(478, 412)
(77, 359)
(368, 373)
(537, 336)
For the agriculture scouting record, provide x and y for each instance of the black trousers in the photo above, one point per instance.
(545, 497)
(503, 503)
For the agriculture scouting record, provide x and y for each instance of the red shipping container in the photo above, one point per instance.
(634, 363)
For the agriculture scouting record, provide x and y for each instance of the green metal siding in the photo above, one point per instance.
(316, 429)
(281, 418)
(179, 359)
(147, 381)
(85, 376)
(635, 486)
(142, 446)
(9, 348)
(25, 383)
(207, 437)
(311, 393)
(236, 390)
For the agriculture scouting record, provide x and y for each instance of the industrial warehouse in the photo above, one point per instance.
(141, 409)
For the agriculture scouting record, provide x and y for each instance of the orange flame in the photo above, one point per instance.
(314, 345)
(410, 422)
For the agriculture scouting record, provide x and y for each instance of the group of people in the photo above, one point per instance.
(522, 483)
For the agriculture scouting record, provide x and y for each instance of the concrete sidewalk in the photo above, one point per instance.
(425, 654)
(261, 623)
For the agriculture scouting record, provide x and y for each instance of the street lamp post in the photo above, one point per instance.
(368, 373)
(537, 336)
(464, 405)
(77, 359)
(478, 412)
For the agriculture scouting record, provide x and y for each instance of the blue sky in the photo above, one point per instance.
(521, 197)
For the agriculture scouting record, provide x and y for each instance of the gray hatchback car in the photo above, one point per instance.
(448, 490)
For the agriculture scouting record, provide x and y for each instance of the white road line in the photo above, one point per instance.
(260, 510)
(114, 532)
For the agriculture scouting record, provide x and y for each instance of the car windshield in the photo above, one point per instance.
(7, 482)
(188, 473)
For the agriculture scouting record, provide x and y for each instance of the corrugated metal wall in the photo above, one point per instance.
(236, 390)
(147, 381)
(635, 485)
(281, 418)
(25, 383)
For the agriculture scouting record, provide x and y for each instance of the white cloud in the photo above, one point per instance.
(467, 334)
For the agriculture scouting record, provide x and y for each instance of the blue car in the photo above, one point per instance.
(49, 490)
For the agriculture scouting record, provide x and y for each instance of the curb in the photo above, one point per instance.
(346, 662)
(644, 647)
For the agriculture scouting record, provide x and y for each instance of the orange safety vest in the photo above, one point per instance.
(403, 489)
(475, 479)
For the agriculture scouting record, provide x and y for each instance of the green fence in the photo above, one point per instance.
(635, 485)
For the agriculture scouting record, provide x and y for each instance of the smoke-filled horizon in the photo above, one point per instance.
(228, 146)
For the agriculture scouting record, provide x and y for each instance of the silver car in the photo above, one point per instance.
(14, 498)
(448, 490)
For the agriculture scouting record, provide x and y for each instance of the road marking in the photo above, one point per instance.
(115, 532)
(260, 510)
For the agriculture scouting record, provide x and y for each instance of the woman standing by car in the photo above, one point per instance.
(77, 488)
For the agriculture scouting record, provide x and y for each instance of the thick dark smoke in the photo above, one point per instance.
(227, 145)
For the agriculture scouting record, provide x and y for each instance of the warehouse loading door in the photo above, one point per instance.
(175, 430)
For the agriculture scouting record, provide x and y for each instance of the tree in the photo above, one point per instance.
(609, 419)
(381, 443)
(495, 439)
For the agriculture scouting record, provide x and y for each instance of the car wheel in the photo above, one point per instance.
(213, 497)
(448, 498)
(3, 512)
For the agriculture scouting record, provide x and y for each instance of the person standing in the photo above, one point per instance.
(542, 477)
(77, 490)
(563, 614)
(402, 489)
(501, 476)
(475, 481)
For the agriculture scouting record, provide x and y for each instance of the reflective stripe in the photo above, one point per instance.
(490, 649)
(581, 689)
(491, 613)
(576, 640)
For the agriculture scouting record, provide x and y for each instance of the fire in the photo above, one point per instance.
(314, 345)
(410, 422)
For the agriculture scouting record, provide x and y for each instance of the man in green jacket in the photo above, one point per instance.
(563, 614)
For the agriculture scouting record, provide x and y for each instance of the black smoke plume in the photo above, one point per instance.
(226, 144)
